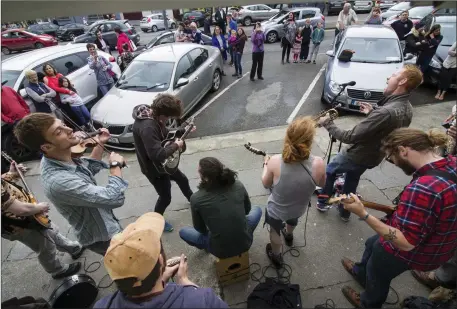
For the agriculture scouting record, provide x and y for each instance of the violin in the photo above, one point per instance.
(88, 142)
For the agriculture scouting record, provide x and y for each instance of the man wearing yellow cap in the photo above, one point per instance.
(135, 261)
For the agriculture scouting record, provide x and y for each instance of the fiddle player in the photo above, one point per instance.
(149, 130)
(422, 233)
(69, 182)
(17, 224)
(393, 111)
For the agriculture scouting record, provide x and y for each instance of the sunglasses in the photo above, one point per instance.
(388, 158)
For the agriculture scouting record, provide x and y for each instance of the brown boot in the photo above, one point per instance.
(349, 266)
(424, 278)
(352, 296)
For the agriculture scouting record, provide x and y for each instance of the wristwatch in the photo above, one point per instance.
(115, 164)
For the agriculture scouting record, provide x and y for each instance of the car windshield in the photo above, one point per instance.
(372, 50)
(146, 76)
(10, 77)
(448, 31)
(420, 12)
(152, 42)
(401, 6)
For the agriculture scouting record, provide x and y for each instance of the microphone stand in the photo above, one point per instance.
(332, 139)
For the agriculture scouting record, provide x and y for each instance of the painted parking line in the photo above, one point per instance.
(306, 95)
(219, 94)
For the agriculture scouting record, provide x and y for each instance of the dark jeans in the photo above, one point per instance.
(257, 64)
(162, 184)
(237, 61)
(71, 114)
(446, 77)
(337, 31)
(99, 247)
(342, 164)
(304, 50)
(286, 46)
(82, 112)
(375, 272)
(105, 88)
(423, 61)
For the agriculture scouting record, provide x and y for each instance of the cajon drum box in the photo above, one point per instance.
(234, 269)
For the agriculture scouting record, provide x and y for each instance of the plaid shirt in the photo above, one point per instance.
(427, 216)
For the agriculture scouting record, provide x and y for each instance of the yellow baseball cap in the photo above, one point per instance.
(134, 252)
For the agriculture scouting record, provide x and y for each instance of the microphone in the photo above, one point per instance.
(352, 83)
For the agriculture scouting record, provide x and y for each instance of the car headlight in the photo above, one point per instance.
(334, 87)
(435, 64)
(130, 128)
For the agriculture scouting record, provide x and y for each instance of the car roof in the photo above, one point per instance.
(445, 19)
(172, 52)
(23, 61)
(371, 31)
(304, 8)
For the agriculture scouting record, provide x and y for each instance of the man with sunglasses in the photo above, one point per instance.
(393, 111)
(422, 232)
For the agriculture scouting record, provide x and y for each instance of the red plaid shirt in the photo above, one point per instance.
(427, 216)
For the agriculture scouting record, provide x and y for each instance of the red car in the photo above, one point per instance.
(17, 40)
(415, 15)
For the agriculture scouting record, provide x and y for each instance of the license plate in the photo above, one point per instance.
(357, 103)
(113, 140)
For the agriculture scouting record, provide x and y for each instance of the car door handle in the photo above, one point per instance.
(211, 64)
(196, 78)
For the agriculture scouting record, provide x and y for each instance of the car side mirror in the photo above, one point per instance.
(409, 56)
(182, 82)
(329, 53)
(23, 93)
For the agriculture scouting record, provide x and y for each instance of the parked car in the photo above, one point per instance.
(396, 10)
(274, 28)
(448, 31)
(362, 6)
(415, 15)
(107, 28)
(195, 16)
(44, 28)
(377, 49)
(385, 5)
(256, 12)
(19, 40)
(186, 70)
(335, 7)
(155, 23)
(68, 32)
(69, 60)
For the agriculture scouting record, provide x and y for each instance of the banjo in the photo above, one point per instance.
(170, 165)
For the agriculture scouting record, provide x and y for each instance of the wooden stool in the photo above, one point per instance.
(234, 269)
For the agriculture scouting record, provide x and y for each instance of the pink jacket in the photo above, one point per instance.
(121, 40)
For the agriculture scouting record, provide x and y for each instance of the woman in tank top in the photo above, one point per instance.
(292, 178)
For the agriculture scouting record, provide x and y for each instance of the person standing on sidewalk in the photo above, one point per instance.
(222, 216)
(231, 25)
(306, 34)
(422, 232)
(207, 25)
(448, 72)
(394, 111)
(433, 39)
(220, 42)
(292, 178)
(346, 17)
(317, 37)
(149, 130)
(237, 50)
(220, 20)
(258, 51)
(297, 45)
(69, 183)
(101, 43)
(290, 31)
(102, 69)
(402, 27)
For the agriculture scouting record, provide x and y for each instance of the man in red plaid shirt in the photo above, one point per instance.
(422, 233)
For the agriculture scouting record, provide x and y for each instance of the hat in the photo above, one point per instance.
(134, 252)
(419, 25)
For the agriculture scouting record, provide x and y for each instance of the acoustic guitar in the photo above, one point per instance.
(371, 205)
(42, 219)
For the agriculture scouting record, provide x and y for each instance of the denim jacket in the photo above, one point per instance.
(103, 77)
(86, 206)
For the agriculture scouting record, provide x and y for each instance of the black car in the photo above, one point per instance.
(68, 32)
(107, 28)
(195, 16)
(44, 28)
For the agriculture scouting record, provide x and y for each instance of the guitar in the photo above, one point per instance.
(371, 205)
(170, 165)
(42, 219)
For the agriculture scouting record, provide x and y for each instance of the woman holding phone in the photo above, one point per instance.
(258, 40)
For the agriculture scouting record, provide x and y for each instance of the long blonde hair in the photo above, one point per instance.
(415, 139)
(299, 139)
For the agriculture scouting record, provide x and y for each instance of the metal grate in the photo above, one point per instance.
(116, 129)
(360, 94)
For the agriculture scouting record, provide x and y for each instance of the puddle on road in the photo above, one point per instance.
(261, 101)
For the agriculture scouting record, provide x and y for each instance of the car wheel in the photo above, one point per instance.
(247, 21)
(39, 45)
(272, 37)
(18, 152)
(72, 36)
(154, 28)
(145, 30)
(6, 51)
(216, 81)
(173, 26)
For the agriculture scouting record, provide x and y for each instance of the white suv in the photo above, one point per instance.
(155, 23)
(69, 60)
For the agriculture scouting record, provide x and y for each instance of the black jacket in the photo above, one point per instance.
(402, 28)
(306, 34)
(99, 44)
(412, 39)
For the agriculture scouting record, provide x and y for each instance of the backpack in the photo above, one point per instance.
(270, 294)
(417, 302)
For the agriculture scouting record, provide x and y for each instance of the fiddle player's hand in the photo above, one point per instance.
(452, 132)
(181, 275)
(104, 135)
(323, 120)
(355, 207)
(116, 157)
(180, 143)
(366, 108)
(169, 272)
(80, 134)
(43, 207)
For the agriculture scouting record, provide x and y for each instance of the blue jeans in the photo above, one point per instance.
(201, 241)
(342, 164)
(105, 88)
(237, 61)
(375, 272)
(82, 112)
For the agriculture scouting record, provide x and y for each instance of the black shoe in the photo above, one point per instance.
(276, 260)
(288, 238)
(78, 254)
(236, 74)
(252, 79)
(239, 75)
(288, 61)
(344, 214)
(73, 268)
(314, 62)
(261, 78)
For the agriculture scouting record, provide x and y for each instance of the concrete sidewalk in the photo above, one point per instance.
(317, 270)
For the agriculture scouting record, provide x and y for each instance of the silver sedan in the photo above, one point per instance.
(186, 70)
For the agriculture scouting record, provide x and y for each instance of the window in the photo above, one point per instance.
(18, 35)
(184, 68)
(308, 14)
(166, 39)
(6, 35)
(83, 55)
(109, 27)
(252, 8)
(138, 77)
(68, 64)
(372, 50)
(198, 56)
(263, 7)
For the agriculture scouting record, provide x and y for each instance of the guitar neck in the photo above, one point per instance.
(379, 207)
